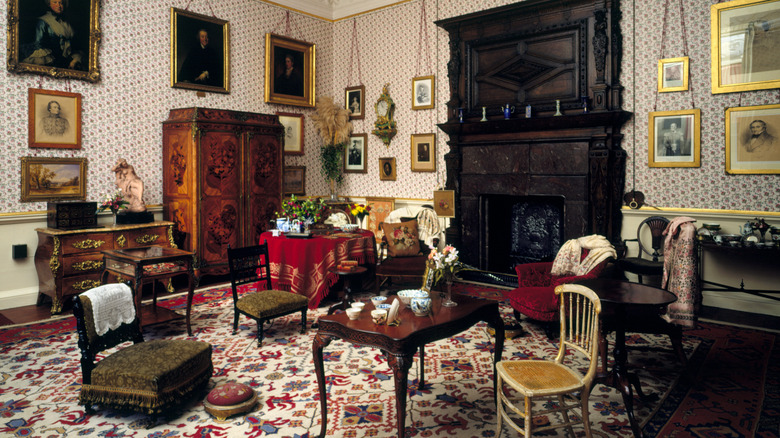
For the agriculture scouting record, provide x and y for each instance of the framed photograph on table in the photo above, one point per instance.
(387, 169)
(674, 138)
(66, 46)
(54, 119)
(744, 45)
(53, 179)
(423, 92)
(753, 139)
(423, 153)
(293, 132)
(200, 52)
(355, 102)
(672, 74)
(356, 154)
(289, 71)
(294, 180)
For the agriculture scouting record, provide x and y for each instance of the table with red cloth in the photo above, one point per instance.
(302, 265)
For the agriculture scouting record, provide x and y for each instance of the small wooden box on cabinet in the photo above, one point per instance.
(71, 215)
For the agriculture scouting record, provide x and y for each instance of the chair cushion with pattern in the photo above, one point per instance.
(267, 303)
(402, 239)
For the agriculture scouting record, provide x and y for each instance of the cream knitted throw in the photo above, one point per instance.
(112, 305)
(567, 261)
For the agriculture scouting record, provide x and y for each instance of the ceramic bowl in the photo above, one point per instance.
(406, 295)
(421, 306)
(731, 237)
(379, 316)
(378, 300)
(711, 226)
(353, 313)
(358, 305)
(383, 306)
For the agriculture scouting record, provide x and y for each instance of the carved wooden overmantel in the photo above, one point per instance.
(551, 56)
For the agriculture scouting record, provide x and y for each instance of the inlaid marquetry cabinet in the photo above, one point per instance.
(222, 180)
(70, 261)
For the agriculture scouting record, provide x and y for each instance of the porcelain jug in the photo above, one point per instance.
(747, 229)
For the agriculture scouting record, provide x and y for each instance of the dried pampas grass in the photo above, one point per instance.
(331, 121)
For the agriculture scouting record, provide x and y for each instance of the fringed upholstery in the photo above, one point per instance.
(269, 303)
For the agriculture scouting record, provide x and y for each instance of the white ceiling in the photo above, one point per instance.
(334, 9)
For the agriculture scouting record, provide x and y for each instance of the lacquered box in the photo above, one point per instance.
(71, 215)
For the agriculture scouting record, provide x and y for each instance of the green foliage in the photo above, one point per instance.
(331, 156)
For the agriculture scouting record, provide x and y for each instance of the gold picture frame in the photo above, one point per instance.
(753, 139)
(444, 203)
(200, 52)
(289, 71)
(294, 180)
(53, 179)
(675, 138)
(293, 132)
(423, 92)
(78, 61)
(673, 74)
(387, 169)
(423, 153)
(54, 119)
(356, 155)
(744, 45)
(355, 102)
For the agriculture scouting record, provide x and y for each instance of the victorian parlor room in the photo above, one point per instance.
(390, 218)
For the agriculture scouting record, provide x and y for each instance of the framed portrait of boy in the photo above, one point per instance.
(200, 52)
(675, 138)
(673, 74)
(54, 119)
(423, 153)
(55, 38)
(387, 169)
(753, 139)
(355, 102)
(289, 71)
(293, 132)
(356, 154)
(423, 90)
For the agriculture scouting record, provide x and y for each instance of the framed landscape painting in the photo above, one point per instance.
(753, 139)
(289, 71)
(200, 52)
(294, 180)
(293, 132)
(53, 179)
(54, 119)
(674, 138)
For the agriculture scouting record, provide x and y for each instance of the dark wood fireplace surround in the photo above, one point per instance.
(535, 53)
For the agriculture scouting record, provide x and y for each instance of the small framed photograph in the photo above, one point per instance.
(293, 132)
(753, 139)
(423, 89)
(675, 138)
(294, 180)
(744, 45)
(357, 154)
(200, 52)
(423, 152)
(289, 71)
(54, 119)
(66, 47)
(444, 203)
(673, 74)
(387, 169)
(355, 102)
(53, 179)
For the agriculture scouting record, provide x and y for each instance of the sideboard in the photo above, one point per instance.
(70, 261)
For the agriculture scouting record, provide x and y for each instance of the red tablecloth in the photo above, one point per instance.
(301, 265)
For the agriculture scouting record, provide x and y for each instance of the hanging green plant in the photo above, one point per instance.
(333, 125)
(331, 156)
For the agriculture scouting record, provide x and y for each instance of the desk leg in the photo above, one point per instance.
(139, 287)
(190, 294)
(421, 383)
(400, 366)
(320, 342)
(620, 378)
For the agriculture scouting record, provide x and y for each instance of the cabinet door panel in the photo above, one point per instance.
(220, 228)
(263, 180)
(220, 164)
(178, 172)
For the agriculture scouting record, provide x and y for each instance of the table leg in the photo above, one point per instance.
(190, 294)
(400, 366)
(498, 324)
(421, 383)
(320, 342)
(620, 377)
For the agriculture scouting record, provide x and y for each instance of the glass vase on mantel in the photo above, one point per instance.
(113, 214)
(334, 196)
(447, 301)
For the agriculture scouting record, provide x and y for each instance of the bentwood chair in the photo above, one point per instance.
(250, 266)
(529, 389)
(148, 377)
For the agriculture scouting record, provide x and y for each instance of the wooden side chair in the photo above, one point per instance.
(649, 261)
(536, 381)
(250, 265)
(149, 377)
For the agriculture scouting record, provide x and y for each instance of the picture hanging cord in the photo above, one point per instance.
(355, 48)
(633, 92)
(186, 8)
(423, 36)
(287, 26)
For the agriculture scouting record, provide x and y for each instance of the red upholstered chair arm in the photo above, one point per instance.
(534, 274)
(594, 273)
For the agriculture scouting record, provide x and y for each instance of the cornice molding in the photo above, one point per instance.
(334, 10)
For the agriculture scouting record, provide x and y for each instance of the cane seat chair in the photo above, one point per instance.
(148, 377)
(649, 260)
(250, 266)
(523, 386)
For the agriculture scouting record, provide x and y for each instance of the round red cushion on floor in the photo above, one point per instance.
(230, 393)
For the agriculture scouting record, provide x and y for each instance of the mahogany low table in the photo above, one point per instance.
(399, 343)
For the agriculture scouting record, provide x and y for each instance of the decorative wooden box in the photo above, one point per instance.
(71, 215)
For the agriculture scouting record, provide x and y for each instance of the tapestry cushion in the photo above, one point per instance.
(269, 303)
(403, 239)
(230, 393)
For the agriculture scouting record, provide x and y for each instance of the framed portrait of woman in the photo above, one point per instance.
(200, 52)
(57, 38)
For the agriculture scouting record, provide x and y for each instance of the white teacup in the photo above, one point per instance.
(353, 313)
(421, 306)
(358, 305)
(379, 316)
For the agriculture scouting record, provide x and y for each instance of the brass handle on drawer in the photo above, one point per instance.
(89, 265)
(89, 244)
(147, 238)
(86, 284)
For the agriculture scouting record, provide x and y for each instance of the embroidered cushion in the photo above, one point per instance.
(230, 393)
(402, 238)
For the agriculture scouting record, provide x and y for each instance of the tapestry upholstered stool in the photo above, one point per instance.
(229, 399)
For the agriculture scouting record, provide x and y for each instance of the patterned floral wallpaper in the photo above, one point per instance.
(122, 114)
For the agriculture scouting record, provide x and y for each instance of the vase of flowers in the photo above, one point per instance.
(113, 202)
(332, 123)
(446, 265)
(305, 212)
(360, 211)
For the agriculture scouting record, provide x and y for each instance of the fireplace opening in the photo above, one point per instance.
(519, 229)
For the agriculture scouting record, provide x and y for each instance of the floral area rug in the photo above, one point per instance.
(40, 377)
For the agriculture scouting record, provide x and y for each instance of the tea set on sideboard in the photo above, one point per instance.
(751, 234)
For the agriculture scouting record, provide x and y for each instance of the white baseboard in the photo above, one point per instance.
(19, 298)
(741, 302)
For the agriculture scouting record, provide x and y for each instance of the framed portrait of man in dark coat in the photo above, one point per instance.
(200, 52)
